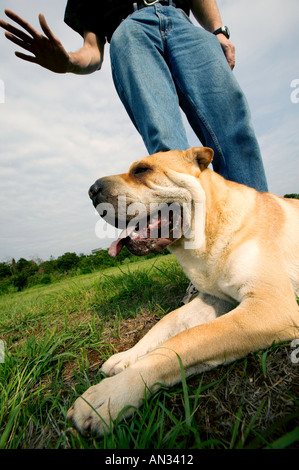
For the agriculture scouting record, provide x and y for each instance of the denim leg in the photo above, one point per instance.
(213, 102)
(160, 60)
(144, 82)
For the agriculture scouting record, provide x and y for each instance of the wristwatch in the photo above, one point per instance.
(223, 30)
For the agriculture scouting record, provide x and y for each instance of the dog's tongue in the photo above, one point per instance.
(117, 245)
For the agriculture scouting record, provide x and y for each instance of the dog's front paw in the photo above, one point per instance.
(118, 362)
(101, 404)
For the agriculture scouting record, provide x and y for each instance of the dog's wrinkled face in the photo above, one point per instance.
(147, 201)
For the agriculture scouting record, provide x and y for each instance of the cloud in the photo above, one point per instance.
(57, 137)
(265, 34)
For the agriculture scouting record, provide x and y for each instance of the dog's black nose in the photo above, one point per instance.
(94, 191)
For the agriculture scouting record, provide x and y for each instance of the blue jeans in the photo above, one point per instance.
(162, 63)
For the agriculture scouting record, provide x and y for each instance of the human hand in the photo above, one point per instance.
(47, 50)
(228, 49)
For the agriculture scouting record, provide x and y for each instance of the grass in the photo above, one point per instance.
(57, 336)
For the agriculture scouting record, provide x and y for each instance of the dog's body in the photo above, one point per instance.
(245, 264)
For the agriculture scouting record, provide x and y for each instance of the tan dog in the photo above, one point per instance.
(241, 251)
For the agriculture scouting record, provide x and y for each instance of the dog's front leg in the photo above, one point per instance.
(253, 325)
(200, 310)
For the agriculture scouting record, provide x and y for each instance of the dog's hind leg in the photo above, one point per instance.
(202, 309)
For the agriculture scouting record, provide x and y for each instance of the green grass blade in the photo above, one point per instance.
(185, 393)
(10, 422)
(285, 441)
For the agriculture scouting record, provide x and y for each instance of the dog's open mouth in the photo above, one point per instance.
(150, 235)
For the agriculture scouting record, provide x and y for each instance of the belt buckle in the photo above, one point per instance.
(148, 4)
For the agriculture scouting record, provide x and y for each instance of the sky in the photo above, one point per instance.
(59, 133)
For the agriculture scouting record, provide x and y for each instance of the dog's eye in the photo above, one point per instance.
(141, 170)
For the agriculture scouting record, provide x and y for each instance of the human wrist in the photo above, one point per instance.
(74, 64)
(83, 62)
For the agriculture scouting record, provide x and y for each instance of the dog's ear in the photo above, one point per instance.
(202, 155)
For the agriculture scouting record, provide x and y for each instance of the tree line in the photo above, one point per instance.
(18, 275)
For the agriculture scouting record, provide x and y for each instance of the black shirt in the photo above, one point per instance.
(102, 17)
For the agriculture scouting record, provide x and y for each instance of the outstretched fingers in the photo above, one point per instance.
(11, 30)
(19, 37)
(21, 22)
(19, 42)
(47, 51)
(45, 27)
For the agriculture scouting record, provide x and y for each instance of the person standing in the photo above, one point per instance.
(161, 64)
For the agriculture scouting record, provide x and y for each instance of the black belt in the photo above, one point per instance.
(148, 3)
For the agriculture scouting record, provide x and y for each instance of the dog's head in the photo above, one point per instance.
(162, 190)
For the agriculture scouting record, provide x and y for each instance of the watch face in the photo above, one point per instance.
(227, 33)
(223, 30)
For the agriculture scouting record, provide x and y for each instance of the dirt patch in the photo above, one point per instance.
(128, 333)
